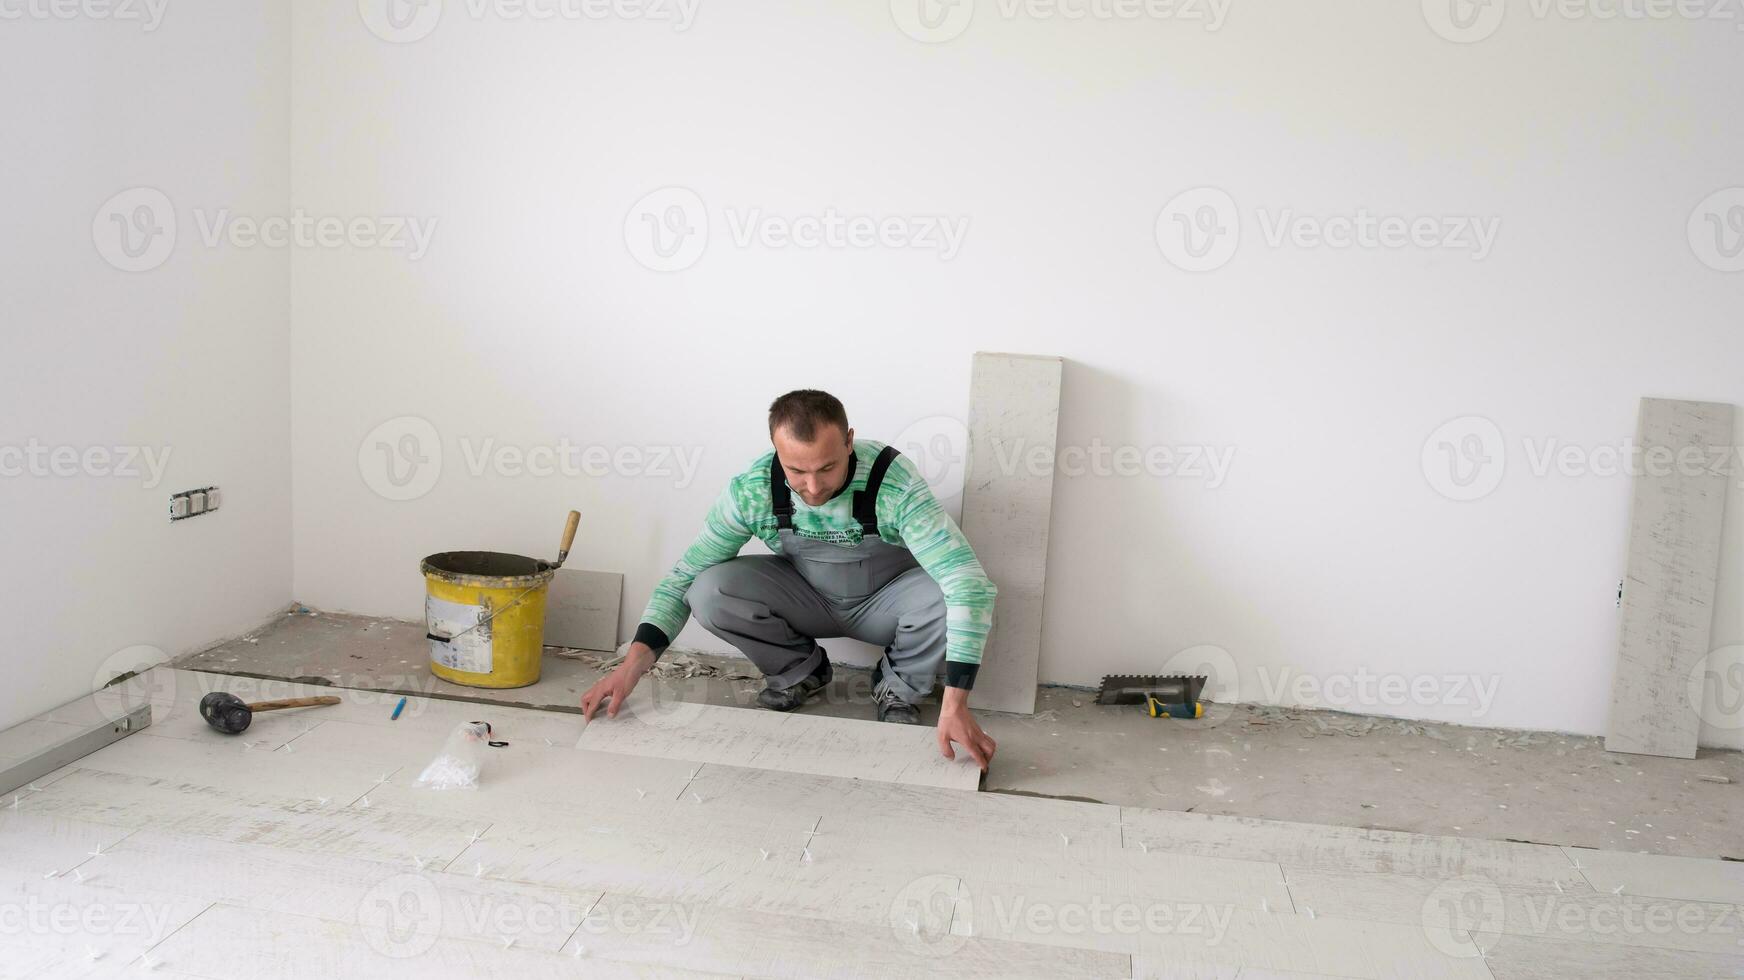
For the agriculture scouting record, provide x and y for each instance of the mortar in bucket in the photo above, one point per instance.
(484, 613)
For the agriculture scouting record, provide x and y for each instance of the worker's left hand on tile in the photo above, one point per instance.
(957, 724)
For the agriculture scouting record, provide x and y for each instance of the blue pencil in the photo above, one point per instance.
(397, 709)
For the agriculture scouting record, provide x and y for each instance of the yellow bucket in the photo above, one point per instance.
(484, 614)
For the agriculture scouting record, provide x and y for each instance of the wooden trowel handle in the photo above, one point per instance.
(568, 535)
(291, 703)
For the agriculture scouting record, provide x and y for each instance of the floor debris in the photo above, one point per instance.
(674, 666)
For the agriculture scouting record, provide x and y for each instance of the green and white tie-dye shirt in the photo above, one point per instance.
(909, 516)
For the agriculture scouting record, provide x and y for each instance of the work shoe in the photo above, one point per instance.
(789, 698)
(896, 711)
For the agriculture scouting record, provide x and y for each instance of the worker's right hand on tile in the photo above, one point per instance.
(617, 685)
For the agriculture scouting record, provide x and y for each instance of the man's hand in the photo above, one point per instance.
(957, 724)
(617, 685)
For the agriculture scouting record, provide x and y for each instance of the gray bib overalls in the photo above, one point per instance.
(774, 608)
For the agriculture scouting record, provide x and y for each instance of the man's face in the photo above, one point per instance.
(817, 469)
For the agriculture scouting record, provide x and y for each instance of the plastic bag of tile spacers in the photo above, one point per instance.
(461, 760)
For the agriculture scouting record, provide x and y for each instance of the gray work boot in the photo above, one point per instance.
(789, 698)
(896, 711)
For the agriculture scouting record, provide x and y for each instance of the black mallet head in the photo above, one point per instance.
(226, 712)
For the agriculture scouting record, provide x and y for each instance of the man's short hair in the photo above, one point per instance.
(801, 412)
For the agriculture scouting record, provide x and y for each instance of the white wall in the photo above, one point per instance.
(188, 359)
(1325, 553)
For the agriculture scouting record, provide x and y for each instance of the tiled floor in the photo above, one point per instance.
(1240, 760)
(303, 848)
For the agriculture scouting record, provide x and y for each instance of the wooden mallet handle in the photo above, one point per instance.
(291, 703)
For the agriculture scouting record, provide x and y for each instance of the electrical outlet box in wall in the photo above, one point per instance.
(193, 503)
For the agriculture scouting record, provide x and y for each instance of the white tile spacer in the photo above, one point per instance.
(765, 853)
(1617, 890)
(80, 874)
(807, 856)
(364, 803)
(51, 874)
(479, 871)
(34, 788)
(96, 853)
(420, 862)
(15, 800)
(641, 793)
(93, 953)
(1265, 906)
(1143, 847)
(1065, 840)
(548, 744)
(580, 951)
(1559, 887)
(698, 797)
(476, 837)
(322, 800)
(508, 941)
(1309, 910)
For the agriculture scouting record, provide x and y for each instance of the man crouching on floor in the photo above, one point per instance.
(861, 549)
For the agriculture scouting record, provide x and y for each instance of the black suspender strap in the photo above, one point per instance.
(866, 501)
(780, 495)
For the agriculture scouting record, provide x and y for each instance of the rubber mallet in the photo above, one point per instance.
(231, 715)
